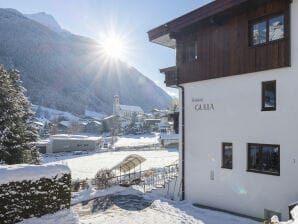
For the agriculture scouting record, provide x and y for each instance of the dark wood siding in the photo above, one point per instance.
(224, 49)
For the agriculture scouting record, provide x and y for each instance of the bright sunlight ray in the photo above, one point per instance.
(114, 46)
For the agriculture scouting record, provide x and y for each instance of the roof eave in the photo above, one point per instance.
(162, 34)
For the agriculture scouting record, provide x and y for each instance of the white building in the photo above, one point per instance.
(165, 126)
(237, 71)
(69, 143)
(126, 111)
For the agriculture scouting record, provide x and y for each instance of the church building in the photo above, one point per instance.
(125, 111)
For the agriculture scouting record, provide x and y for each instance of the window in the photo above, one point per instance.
(190, 52)
(267, 30)
(259, 33)
(269, 96)
(227, 155)
(263, 159)
(276, 28)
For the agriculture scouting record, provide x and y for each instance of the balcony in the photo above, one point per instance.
(171, 78)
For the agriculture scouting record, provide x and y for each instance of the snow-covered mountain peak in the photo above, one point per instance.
(45, 19)
(8, 13)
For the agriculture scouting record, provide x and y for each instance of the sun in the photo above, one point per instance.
(114, 46)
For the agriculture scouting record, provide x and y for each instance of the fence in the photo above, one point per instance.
(141, 147)
(157, 177)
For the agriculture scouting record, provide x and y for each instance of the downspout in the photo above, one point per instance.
(183, 139)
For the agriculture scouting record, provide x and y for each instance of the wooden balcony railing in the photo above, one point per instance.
(171, 77)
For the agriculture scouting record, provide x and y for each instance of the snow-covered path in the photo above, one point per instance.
(131, 206)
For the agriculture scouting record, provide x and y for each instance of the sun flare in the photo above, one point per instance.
(114, 47)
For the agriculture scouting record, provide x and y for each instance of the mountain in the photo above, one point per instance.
(45, 19)
(69, 72)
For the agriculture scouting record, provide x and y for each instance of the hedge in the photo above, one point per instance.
(33, 198)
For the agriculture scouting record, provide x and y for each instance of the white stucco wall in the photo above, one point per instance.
(237, 118)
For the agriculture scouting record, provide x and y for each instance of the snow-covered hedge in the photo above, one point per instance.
(30, 190)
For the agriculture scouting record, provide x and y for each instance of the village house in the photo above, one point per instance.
(237, 72)
(69, 143)
(93, 127)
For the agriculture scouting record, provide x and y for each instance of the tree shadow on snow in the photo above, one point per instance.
(126, 202)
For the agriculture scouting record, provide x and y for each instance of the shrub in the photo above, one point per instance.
(75, 186)
(22, 200)
(104, 178)
(27, 191)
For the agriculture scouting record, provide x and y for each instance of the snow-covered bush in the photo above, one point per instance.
(32, 191)
(103, 178)
(75, 185)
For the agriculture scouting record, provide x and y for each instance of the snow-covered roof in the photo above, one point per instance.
(21, 172)
(152, 119)
(65, 123)
(129, 163)
(169, 136)
(38, 123)
(109, 117)
(96, 122)
(74, 137)
(42, 120)
(43, 142)
(94, 115)
(131, 108)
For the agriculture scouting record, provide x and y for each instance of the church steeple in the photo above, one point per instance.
(116, 105)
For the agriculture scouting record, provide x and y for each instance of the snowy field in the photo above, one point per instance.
(128, 205)
(134, 141)
(86, 165)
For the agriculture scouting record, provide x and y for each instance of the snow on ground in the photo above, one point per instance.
(66, 216)
(91, 193)
(128, 205)
(20, 172)
(86, 165)
(133, 141)
(50, 114)
(132, 206)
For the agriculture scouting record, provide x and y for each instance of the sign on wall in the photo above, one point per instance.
(201, 105)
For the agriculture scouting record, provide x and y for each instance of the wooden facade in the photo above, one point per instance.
(171, 78)
(223, 42)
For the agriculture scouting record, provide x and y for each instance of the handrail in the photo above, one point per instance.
(151, 177)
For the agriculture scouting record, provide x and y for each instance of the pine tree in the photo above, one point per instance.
(17, 132)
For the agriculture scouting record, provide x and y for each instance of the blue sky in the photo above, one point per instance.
(129, 18)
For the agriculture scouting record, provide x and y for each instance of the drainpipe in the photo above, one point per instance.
(183, 139)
